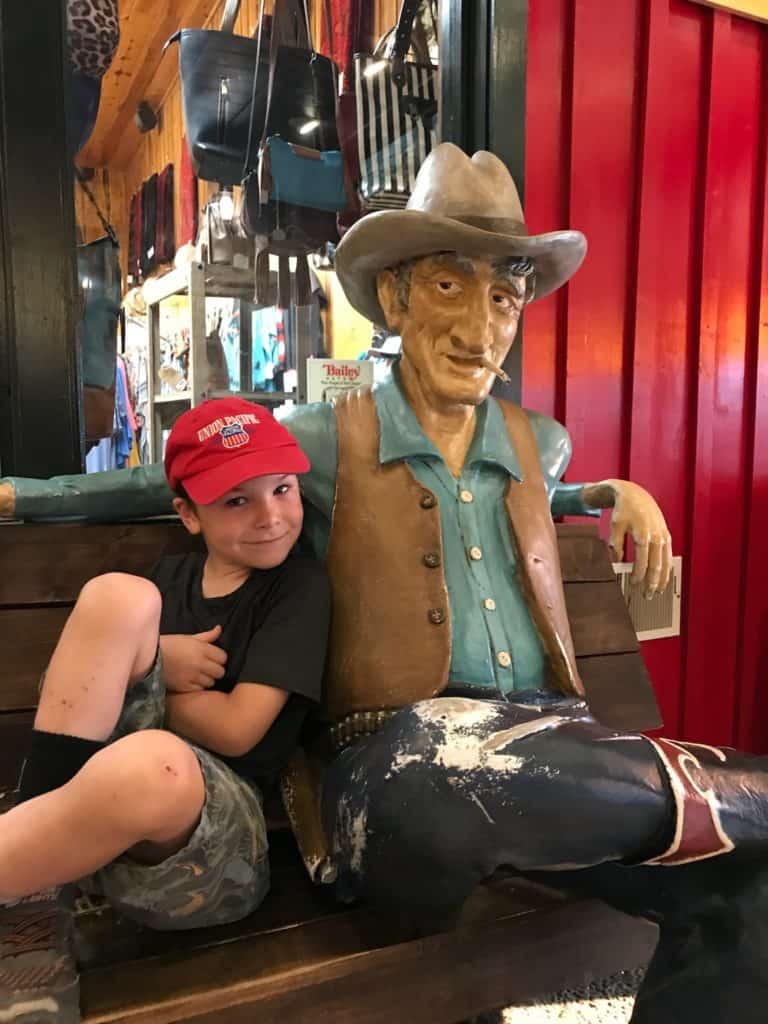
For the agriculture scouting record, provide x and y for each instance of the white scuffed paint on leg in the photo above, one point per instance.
(470, 713)
(482, 807)
(495, 742)
(464, 745)
(359, 837)
(402, 760)
(352, 834)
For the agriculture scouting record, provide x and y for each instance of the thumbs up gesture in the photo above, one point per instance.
(192, 662)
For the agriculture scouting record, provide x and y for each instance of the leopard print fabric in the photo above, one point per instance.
(93, 33)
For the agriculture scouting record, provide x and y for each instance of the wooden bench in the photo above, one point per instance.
(301, 958)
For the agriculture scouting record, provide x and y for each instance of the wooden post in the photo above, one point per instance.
(40, 396)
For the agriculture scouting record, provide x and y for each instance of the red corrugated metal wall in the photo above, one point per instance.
(646, 129)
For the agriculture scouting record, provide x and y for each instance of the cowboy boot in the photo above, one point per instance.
(707, 890)
(720, 801)
(711, 961)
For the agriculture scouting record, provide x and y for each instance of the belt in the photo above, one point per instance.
(355, 726)
(359, 724)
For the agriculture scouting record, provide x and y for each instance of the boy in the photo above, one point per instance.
(170, 703)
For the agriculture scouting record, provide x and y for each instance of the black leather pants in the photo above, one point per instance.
(451, 789)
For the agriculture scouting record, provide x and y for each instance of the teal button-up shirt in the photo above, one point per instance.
(494, 640)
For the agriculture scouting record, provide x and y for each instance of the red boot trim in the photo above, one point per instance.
(699, 832)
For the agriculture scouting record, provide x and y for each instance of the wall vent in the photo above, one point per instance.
(660, 616)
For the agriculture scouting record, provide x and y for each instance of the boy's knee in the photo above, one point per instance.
(126, 599)
(163, 776)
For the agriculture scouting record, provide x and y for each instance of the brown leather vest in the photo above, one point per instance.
(391, 630)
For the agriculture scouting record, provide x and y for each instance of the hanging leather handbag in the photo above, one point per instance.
(99, 277)
(396, 108)
(224, 85)
(284, 227)
(289, 205)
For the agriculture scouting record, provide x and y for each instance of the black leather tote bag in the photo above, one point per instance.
(217, 71)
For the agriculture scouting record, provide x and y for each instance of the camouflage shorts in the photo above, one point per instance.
(222, 874)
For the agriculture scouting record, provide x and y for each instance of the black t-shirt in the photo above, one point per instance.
(274, 628)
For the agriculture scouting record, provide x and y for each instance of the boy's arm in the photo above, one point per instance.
(286, 654)
(226, 723)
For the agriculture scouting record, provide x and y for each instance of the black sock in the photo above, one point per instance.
(52, 760)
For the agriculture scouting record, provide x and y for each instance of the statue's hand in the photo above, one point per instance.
(636, 513)
(7, 501)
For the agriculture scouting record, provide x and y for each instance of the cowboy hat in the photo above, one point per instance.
(458, 204)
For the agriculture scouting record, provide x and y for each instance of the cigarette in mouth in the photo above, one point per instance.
(504, 377)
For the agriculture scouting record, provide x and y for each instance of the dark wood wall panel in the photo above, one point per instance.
(27, 639)
(48, 564)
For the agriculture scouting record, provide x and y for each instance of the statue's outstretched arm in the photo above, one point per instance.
(101, 497)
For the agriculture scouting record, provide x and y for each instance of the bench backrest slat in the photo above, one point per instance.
(43, 567)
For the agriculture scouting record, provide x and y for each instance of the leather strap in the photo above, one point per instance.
(404, 28)
(231, 10)
(247, 161)
(108, 229)
(383, 47)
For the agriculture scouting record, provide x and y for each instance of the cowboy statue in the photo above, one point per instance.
(457, 737)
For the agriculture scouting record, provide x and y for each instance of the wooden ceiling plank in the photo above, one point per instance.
(154, 31)
(165, 72)
(137, 67)
(117, 81)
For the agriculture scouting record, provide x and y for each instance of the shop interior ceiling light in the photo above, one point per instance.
(309, 127)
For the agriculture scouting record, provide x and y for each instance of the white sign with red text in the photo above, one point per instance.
(327, 378)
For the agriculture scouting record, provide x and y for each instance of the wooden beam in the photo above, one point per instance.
(139, 72)
(40, 426)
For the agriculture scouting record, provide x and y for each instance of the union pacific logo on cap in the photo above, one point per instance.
(225, 441)
(234, 435)
(222, 423)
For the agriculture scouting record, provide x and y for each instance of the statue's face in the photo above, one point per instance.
(459, 311)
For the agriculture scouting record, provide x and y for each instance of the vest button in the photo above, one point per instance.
(436, 616)
(431, 559)
(428, 500)
(504, 659)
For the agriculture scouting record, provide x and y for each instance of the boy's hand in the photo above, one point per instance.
(192, 662)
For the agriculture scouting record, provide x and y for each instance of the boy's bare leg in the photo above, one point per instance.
(145, 788)
(109, 640)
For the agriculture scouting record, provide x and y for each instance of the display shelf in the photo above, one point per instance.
(182, 396)
(200, 281)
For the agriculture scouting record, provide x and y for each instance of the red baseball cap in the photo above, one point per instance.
(219, 444)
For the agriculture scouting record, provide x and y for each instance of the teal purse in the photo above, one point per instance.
(304, 177)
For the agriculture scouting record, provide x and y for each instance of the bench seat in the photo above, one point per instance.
(302, 958)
